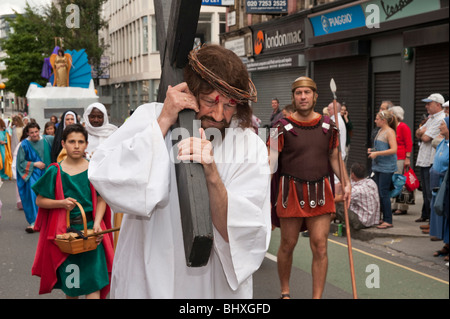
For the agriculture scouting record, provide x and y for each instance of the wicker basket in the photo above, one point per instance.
(78, 245)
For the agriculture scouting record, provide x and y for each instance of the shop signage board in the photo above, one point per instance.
(396, 9)
(369, 14)
(278, 37)
(217, 2)
(236, 45)
(279, 62)
(266, 6)
(340, 20)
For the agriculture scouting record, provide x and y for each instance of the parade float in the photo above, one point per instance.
(70, 86)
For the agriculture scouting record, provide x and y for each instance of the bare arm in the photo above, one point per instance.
(99, 213)
(48, 203)
(420, 134)
(335, 157)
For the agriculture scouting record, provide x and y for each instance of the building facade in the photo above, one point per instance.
(7, 98)
(374, 50)
(379, 50)
(271, 40)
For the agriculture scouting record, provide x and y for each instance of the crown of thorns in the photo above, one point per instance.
(220, 85)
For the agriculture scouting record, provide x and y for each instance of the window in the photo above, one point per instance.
(222, 22)
(204, 28)
(144, 93)
(155, 47)
(145, 34)
(155, 90)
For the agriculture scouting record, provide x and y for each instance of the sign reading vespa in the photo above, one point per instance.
(278, 38)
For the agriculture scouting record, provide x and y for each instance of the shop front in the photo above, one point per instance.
(379, 50)
(278, 59)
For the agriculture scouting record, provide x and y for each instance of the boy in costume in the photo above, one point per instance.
(59, 188)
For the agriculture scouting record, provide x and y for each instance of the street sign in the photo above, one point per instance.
(217, 2)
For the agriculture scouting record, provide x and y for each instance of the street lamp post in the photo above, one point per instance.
(2, 86)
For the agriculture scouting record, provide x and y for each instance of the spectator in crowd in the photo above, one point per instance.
(342, 128)
(426, 133)
(288, 110)
(276, 112)
(384, 162)
(404, 149)
(364, 208)
(384, 106)
(445, 106)
(439, 225)
(349, 129)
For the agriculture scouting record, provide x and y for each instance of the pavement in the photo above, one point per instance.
(404, 225)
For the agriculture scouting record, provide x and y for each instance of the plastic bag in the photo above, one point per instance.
(398, 181)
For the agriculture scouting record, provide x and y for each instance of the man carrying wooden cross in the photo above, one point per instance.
(135, 172)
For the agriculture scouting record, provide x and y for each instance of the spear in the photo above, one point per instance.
(343, 182)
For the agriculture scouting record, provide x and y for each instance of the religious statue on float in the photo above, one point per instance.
(61, 64)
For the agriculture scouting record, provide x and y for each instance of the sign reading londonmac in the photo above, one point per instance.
(278, 37)
(266, 6)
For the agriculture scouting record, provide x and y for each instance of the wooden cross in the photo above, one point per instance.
(176, 25)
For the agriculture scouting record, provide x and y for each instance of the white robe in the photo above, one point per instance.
(134, 173)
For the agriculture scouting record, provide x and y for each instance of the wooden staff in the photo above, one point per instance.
(343, 182)
(104, 232)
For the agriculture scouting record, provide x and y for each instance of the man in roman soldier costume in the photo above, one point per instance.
(306, 144)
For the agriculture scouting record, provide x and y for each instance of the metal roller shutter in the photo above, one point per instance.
(387, 88)
(352, 80)
(432, 68)
(271, 84)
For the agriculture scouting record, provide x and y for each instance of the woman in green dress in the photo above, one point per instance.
(84, 273)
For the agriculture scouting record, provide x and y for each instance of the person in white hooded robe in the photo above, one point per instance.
(97, 125)
(134, 171)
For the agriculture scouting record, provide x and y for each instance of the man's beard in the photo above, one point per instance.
(222, 124)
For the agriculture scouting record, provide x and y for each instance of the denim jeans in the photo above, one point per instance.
(426, 191)
(384, 181)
